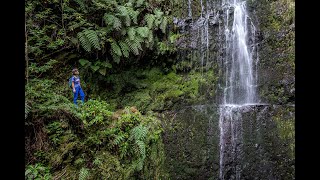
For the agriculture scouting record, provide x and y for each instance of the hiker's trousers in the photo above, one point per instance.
(75, 95)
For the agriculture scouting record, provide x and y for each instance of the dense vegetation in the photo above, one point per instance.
(102, 138)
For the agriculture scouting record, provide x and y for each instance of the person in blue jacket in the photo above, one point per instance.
(76, 86)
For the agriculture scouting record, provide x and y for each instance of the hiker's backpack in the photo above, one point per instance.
(70, 82)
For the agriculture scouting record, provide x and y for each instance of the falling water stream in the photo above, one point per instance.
(240, 86)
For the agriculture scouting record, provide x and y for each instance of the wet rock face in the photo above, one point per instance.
(262, 147)
(191, 141)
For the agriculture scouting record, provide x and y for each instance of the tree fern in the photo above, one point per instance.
(84, 173)
(149, 18)
(84, 41)
(163, 24)
(124, 48)
(93, 38)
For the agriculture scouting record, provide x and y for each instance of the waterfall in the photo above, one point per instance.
(240, 85)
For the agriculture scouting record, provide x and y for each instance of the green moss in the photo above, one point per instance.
(286, 128)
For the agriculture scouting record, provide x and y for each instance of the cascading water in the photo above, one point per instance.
(240, 87)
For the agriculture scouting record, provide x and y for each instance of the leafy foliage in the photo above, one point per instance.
(37, 171)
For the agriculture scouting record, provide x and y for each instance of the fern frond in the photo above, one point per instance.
(115, 48)
(150, 38)
(163, 24)
(139, 3)
(115, 57)
(149, 42)
(124, 48)
(93, 38)
(138, 133)
(123, 12)
(118, 139)
(143, 31)
(84, 173)
(132, 46)
(137, 41)
(149, 18)
(133, 14)
(141, 147)
(84, 41)
(117, 24)
(113, 21)
(109, 19)
(131, 33)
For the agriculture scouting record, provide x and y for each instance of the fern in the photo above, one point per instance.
(93, 38)
(149, 18)
(131, 33)
(132, 46)
(115, 57)
(113, 21)
(84, 41)
(143, 31)
(124, 13)
(84, 173)
(133, 14)
(115, 48)
(141, 148)
(118, 139)
(163, 24)
(139, 3)
(124, 48)
(138, 133)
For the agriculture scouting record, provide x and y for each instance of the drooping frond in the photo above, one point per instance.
(132, 46)
(123, 12)
(124, 48)
(163, 24)
(133, 14)
(149, 18)
(115, 48)
(84, 41)
(93, 38)
(143, 31)
(115, 57)
(113, 21)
